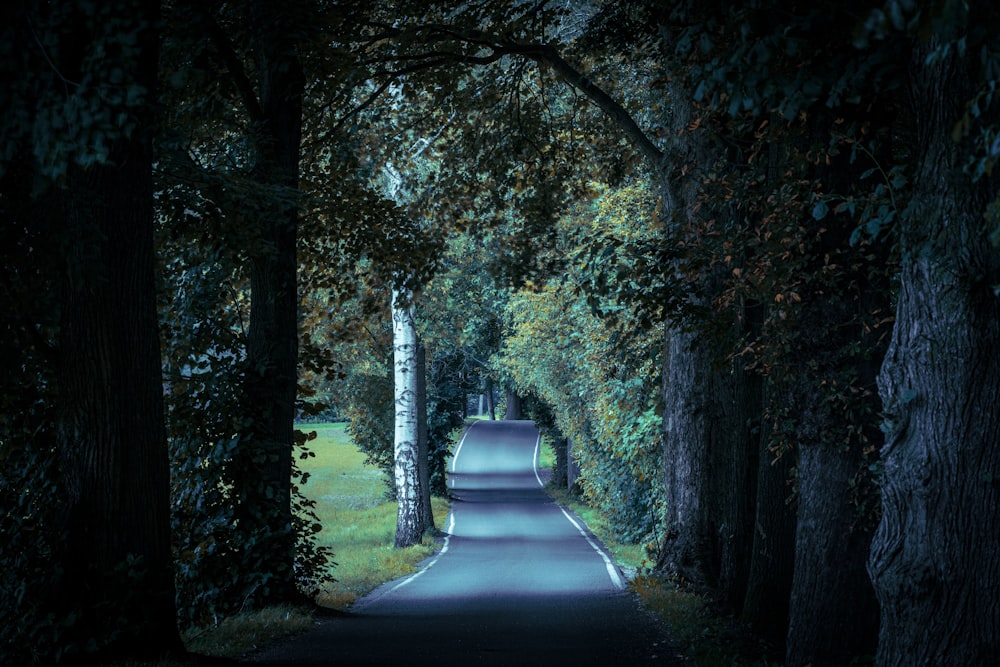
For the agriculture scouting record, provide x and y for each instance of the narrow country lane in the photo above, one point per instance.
(518, 581)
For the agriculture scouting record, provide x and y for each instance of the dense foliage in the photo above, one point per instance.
(599, 371)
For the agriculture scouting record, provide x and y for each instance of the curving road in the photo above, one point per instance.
(518, 581)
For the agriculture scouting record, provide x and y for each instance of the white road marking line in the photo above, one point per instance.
(534, 460)
(444, 549)
(458, 450)
(612, 570)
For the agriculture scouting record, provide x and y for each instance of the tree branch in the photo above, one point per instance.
(547, 55)
(234, 65)
(543, 54)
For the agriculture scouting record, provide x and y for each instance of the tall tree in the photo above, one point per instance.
(260, 50)
(272, 337)
(86, 97)
(934, 557)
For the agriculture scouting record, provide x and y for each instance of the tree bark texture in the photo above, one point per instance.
(832, 358)
(691, 386)
(772, 557)
(272, 342)
(693, 390)
(111, 433)
(410, 519)
(935, 558)
(832, 610)
(738, 484)
(561, 467)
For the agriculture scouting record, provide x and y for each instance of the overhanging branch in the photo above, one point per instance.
(549, 56)
(542, 54)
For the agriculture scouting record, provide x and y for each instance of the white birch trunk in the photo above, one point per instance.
(410, 519)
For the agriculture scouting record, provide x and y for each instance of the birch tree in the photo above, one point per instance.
(411, 490)
(410, 447)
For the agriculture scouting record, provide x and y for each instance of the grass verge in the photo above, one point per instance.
(244, 633)
(359, 524)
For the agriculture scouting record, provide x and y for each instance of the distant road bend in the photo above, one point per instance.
(518, 581)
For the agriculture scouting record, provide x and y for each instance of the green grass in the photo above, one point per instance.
(546, 455)
(359, 524)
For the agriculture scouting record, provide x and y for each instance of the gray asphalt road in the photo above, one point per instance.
(518, 581)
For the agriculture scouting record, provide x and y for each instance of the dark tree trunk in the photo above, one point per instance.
(112, 440)
(272, 343)
(491, 404)
(833, 362)
(691, 386)
(514, 410)
(560, 469)
(772, 558)
(423, 449)
(832, 612)
(738, 484)
(700, 464)
(935, 558)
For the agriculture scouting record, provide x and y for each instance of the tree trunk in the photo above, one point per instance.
(833, 613)
(688, 417)
(697, 443)
(738, 484)
(935, 558)
(561, 467)
(423, 450)
(111, 435)
(410, 518)
(772, 559)
(491, 404)
(514, 410)
(832, 610)
(265, 467)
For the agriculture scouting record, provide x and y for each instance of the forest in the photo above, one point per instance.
(738, 260)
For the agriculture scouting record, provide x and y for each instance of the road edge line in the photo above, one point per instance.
(534, 460)
(437, 557)
(461, 442)
(616, 578)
